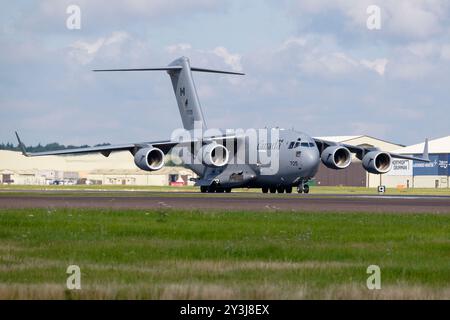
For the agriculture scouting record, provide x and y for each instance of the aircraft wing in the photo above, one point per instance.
(361, 151)
(165, 147)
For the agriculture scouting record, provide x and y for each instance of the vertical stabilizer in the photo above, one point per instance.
(186, 94)
(180, 72)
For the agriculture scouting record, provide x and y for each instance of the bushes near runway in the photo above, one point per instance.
(172, 254)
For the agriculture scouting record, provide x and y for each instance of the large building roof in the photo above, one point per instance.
(364, 140)
(338, 138)
(13, 160)
(440, 145)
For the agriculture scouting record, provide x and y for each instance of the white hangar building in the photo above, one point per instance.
(118, 169)
(354, 175)
(415, 174)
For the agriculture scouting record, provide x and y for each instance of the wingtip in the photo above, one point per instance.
(425, 155)
(21, 145)
(18, 138)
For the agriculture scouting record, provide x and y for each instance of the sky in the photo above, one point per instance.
(311, 65)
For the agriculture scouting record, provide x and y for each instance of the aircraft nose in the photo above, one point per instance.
(310, 161)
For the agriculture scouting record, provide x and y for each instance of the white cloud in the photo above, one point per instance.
(219, 55)
(423, 49)
(325, 64)
(321, 55)
(405, 18)
(177, 48)
(233, 60)
(83, 52)
(445, 52)
(377, 65)
(372, 128)
(293, 41)
(88, 48)
(136, 8)
(414, 18)
(116, 37)
(406, 68)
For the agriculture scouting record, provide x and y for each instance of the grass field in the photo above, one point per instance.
(166, 254)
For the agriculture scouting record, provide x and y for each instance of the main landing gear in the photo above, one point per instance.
(279, 189)
(214, 188)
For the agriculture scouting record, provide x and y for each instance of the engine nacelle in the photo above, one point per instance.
(336, 157)
(377, 162)
(214, 155)
(149, 159)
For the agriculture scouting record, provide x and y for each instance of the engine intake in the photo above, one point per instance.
(214, 155)
(336, 157)
(149, 159)
(377, 162)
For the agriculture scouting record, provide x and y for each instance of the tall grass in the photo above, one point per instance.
(165, 254)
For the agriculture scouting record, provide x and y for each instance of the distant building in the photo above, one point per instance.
(117, 169)
(415, 174)
(354, 175)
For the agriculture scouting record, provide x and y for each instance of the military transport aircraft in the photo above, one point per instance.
(215, 157)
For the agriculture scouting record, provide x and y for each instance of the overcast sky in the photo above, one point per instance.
(311, 65)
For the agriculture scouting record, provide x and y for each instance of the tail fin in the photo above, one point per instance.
(425, 155)
(184, 89)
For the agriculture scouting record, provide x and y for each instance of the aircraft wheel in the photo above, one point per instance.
(227, 190)
(273, 189)
(211, 189)
(265, 189)
(306, 189)
(220, 190)
(299, 189)
(203, 189)
(288, 189)
(280, 189)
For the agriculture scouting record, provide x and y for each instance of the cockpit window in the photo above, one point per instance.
(298, 143)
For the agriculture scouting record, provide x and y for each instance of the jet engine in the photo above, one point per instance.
(214, 155)
(336, 157)
(149, 159)
(377, 162)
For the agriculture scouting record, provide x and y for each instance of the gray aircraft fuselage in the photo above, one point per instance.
(298, 161)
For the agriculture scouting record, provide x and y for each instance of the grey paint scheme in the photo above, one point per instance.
(186, 94)
(296, 165)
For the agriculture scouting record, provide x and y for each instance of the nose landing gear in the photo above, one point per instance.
(303, 187)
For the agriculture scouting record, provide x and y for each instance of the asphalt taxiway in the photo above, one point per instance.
(234, 201)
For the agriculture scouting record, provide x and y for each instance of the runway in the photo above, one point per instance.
(233, 201)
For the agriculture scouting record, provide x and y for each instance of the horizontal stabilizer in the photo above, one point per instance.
(170, 68)
(216, 71)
